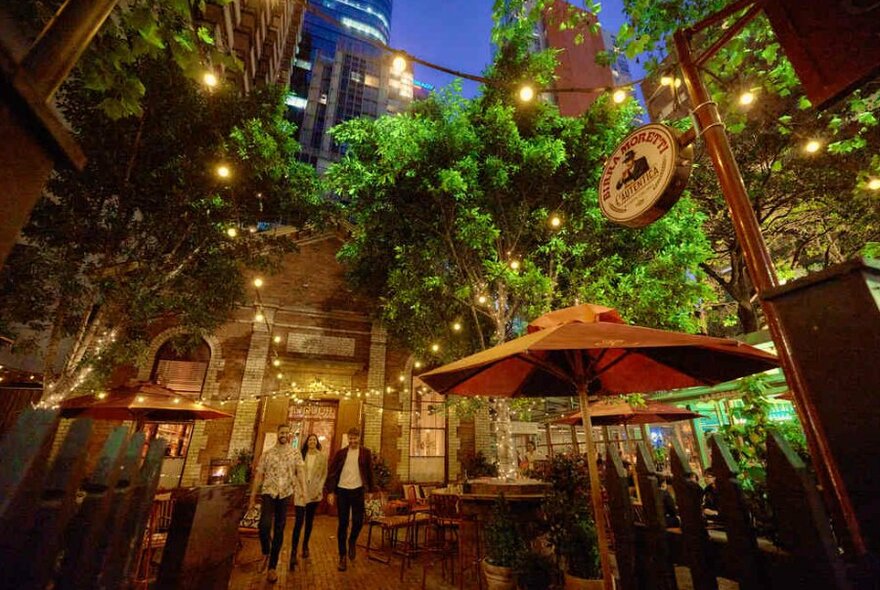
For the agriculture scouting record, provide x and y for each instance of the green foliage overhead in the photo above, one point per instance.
(141, 236)
(447, 198)
(166, 32)
(814, 210)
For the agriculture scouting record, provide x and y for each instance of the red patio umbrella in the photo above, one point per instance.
(583, 356)
(611, 413)
(139, 401)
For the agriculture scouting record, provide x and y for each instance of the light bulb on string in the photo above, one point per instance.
(258, 282)
(210, 79)
(231, 232)
(555, 221)
(812, 146)
(276, 339)
(223, 171)
(746, 98)
(398, 64)
(482, 299)
(874, 184)
(456, 327)
(526, 93)
(435, 347)
(276, 362)
(619, 95)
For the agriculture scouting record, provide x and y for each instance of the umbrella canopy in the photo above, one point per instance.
(607, 358)
(140, 401)
(567, 354)
(620, 412)
(585, 313)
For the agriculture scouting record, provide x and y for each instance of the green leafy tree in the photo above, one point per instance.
(452, 205)
(149, 234)
(168, 32)
(814, 209)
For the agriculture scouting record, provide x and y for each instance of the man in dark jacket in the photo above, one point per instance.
(350, 474)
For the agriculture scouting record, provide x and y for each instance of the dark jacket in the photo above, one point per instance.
(365, 462)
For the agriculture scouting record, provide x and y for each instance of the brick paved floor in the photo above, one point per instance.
(319, 571)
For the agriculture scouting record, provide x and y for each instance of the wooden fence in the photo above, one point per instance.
(66, 529)
(804, 556)
(63, 527)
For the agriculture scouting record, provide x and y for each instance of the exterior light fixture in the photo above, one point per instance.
(276, 339)
(526, 93)
(619, 96)
(176, 400)
(812, 146)
(746, 98)
(210, 79)
(140, 399)
(398, 64)
(258, 282)
(555, 221)
(223, 171)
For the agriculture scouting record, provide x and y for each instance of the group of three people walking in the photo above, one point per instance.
(285, 473)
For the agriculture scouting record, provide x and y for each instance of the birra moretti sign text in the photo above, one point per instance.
(644, 176)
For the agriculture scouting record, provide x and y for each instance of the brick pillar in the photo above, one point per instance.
(483, 439)
(192, 469)
(453, 445)
(404, 418)
(375, 380)
(243, 426)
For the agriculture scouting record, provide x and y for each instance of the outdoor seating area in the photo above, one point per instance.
(472, 295)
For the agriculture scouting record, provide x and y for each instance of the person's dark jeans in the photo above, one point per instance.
(349, 500)
(303, 513)
(272, 508)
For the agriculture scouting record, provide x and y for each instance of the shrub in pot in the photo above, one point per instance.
(580, 554)
(571, 529)
(504, 547)
(535, 571)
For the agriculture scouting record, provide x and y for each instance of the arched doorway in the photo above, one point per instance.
(180, 365)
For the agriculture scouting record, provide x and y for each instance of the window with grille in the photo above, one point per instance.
(427, 425)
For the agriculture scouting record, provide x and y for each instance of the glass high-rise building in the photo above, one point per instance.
(341, 72)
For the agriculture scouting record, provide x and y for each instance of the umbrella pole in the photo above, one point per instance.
(575, 447)
(596, 490)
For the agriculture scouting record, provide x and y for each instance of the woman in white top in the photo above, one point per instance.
(316, 473)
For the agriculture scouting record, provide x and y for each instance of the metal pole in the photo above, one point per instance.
(63, 41)
(763, 275)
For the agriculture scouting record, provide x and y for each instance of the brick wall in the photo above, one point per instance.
(483, 439)
(376, 381)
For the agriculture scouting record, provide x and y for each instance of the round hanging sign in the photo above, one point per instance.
(644, 176)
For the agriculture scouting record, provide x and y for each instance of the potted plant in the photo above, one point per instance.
(504, 547)
(535, 571)
(569, 521)
(580, 555)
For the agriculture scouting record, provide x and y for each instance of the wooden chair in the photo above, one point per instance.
(394, 517)
(155, 536)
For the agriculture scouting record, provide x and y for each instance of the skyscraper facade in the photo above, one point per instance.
(342, 72)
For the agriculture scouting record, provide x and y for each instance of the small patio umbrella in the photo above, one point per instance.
(584, 356)
(139, 401)
(620, 412)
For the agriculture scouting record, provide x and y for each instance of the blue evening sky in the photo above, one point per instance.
(455, 34)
